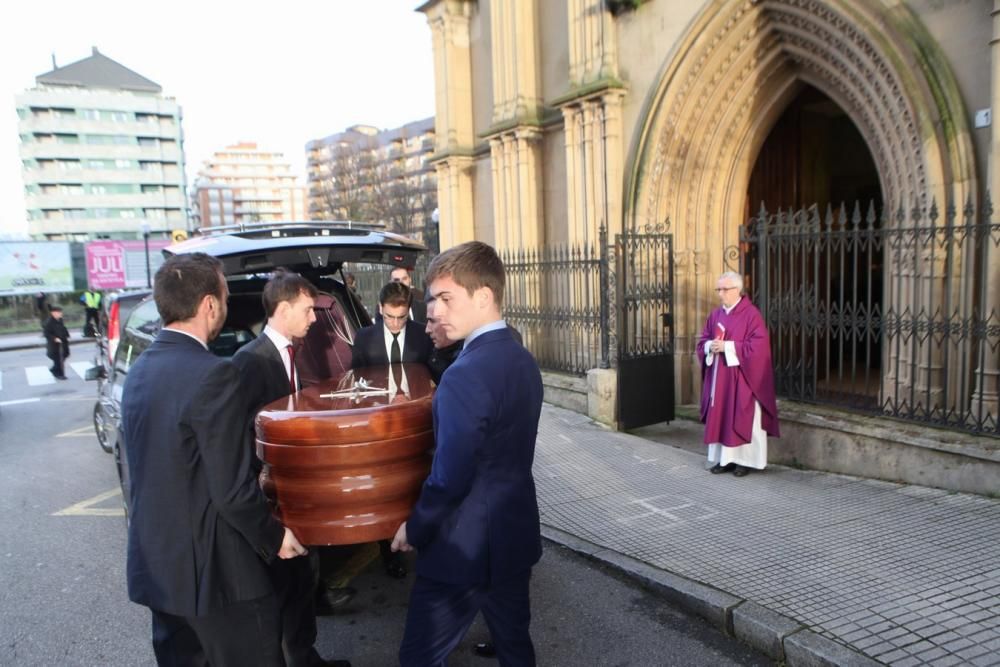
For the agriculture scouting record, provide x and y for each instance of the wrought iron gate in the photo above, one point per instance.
(888, 314)
(643, 325)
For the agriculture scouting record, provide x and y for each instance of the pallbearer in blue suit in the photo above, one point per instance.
(475, 526)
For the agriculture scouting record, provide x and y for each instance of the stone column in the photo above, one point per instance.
(453, 120)
(985, 397)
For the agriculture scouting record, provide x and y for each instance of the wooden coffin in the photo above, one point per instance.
(347, 468)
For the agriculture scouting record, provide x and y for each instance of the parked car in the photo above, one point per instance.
(248, 254)
(116, 307)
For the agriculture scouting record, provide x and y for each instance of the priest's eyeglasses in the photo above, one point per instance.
(724, 289)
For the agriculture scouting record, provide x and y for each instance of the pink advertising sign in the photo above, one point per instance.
(121, 264)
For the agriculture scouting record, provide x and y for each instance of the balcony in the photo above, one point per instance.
(81, 151)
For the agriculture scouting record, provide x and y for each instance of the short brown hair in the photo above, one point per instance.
(394, 294)
(182, 282)
(285, 285)
(472, 265)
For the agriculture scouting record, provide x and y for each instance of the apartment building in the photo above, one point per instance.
(243, 183)
(102, 154)
(378, 176)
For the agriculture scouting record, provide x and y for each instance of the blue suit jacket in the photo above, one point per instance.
(476, 520)
(201, 531)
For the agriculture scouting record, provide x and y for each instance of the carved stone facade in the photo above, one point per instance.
(658, 115)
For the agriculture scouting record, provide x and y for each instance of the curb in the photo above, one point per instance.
(777, 636)
(41, 344)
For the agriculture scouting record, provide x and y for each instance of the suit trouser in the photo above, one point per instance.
(241, 634)
(440, 614)
(295, 581)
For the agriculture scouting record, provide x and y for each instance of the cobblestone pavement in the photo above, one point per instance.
(906, 575)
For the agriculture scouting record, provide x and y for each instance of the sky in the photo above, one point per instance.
(277, 73)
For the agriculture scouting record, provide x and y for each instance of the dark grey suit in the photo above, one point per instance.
(201, 533)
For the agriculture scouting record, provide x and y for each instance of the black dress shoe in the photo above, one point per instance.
(334, 663)
(485, 650)
(328, 600)
(741, 471)
(717, 469)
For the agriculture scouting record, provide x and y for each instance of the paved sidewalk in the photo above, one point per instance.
(31, 340)
(812, 568)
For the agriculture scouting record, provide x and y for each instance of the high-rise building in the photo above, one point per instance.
(242, 183)
(102, 154)
(377, 176)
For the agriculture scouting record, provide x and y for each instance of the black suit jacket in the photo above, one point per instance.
(201, 532)
(369, 346)
(262, 378)
(55, 330)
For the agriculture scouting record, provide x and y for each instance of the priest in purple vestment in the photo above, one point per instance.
(738, 406)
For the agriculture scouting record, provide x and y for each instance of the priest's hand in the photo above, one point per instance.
(717, 346)
(399, 542)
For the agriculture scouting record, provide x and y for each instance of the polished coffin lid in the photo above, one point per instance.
(345, 459)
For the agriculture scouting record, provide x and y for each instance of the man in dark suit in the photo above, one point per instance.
(393, 340)
(267, 373)
(201, 534)
(475, 526)
(56, 342)
(445, 351)
(377, 345)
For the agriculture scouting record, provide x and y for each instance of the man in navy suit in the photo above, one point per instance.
(475, 526)
(201, 534)
(267, 373)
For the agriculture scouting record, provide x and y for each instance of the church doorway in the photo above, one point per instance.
(814, 261)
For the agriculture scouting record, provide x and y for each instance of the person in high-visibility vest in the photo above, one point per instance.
(92, 304)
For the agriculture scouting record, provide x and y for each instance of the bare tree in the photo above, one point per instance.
(365, 182)
(346, 191)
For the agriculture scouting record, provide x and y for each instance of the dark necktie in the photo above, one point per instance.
(396, 358)
(291, 367)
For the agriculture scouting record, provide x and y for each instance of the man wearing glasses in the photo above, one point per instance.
(738, 404)
(393, 340)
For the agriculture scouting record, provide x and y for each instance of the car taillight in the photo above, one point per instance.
(112, 332)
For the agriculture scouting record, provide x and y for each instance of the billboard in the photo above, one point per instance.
(29, 267)
(121, 264)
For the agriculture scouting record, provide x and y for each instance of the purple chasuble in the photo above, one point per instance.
(730, 419)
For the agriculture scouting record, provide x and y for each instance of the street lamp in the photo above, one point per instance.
(145, 240)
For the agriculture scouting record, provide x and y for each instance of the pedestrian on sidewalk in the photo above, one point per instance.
(738, 405)
(56, 341)
(91, 301)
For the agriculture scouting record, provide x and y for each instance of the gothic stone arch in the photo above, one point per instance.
(724, 86)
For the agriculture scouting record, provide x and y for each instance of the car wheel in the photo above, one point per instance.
(123, 481)
(100, 427)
